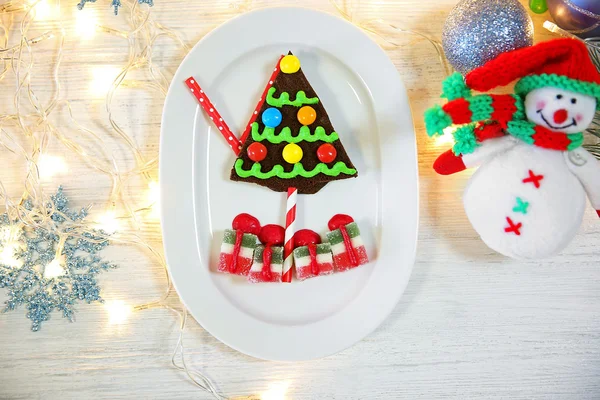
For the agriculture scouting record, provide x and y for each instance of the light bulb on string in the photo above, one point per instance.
(86, 23)
(102, 79)
(552, 27)
(108, 222)
(43, 10)
(118, 312)
(447, 138)
(276, 391)
(154, 199)
(55, 268)
(49, 165)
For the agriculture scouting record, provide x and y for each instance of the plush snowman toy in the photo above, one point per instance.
(528, 196)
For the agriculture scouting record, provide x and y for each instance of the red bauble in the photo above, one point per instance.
(257, 152)
(326, 153)
(304, 237)
(272, 234)
(339, 220)
(246, 223)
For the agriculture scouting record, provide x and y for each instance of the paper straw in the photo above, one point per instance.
(288, 248)
(214, 115)
(261, 100)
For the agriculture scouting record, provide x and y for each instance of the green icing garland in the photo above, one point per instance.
(277, 171)
(284, 99)
(286, 135)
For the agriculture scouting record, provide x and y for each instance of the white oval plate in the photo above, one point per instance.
(368, 105)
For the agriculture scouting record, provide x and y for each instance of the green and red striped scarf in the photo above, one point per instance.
(489, 115)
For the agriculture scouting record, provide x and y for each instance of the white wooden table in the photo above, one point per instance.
(471, 324)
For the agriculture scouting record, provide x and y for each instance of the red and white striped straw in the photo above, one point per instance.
(214, 115)
(290, 221)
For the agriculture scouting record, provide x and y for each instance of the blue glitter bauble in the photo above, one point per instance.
(477, 31)
(271, 117)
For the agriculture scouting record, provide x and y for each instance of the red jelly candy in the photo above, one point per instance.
(246, 223)
(272, 234)
(339, 220)
(326, 153)
(257, 152)
(304, 237)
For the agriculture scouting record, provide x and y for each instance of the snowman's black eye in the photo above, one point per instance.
(573, 101)
(559, 96)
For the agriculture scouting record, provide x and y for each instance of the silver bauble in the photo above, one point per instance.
(477, 31)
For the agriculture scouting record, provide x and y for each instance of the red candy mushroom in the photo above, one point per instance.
(304, 237)
(272, 234)
(338, 221)
(246, 223)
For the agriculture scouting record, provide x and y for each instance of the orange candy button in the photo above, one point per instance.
(307, 115)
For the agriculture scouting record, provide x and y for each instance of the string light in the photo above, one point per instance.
(49, 165)
(102, 78)
(276, 391)
(447, 138)
(8, 255)
(108, 222)
(43, 10)
(154, 199)
(552, 27)
(55, 268)
(118, 312)
(86, 23)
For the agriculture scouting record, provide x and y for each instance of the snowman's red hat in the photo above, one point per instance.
(560, 63)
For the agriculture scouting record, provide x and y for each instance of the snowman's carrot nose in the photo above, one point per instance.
(560, 116)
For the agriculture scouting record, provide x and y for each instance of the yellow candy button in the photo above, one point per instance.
(289, 64)
(307, 115)
(292, 153)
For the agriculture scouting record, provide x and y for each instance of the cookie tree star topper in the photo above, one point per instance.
(527, 198)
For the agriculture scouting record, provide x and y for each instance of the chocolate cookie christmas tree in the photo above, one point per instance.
(290, 141)
(288, 146)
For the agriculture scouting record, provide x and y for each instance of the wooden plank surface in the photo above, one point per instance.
(472, 324)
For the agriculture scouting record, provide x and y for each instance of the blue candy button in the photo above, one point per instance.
(271, 117)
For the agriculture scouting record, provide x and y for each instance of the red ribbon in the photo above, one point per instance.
(314, 267)
(348, 243)
(236, 251)
(266, 269)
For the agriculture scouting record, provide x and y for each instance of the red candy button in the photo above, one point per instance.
(326, 153)
(246, 223)
(339, 220)
(304, 237)
(257, 152)
(272, 234)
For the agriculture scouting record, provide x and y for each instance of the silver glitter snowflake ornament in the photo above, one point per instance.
(42, 278)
